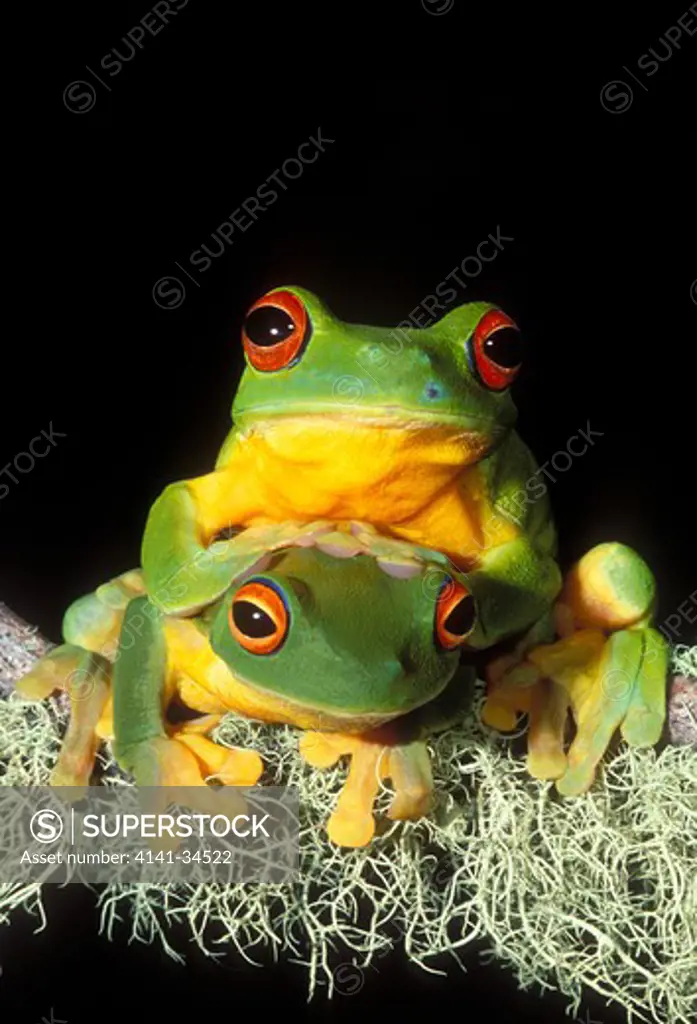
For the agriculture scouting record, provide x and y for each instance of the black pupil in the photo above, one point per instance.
(461, 618)
(252, 621)
(268, 325)
(505, 347)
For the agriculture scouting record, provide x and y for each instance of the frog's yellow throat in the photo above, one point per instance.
(423, 484)
(372, 470)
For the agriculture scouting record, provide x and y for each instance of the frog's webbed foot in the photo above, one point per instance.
(523, 690)
(233, 766)
(409, 768)
(373, 759)
(164, 764)
(612, 590)
(627, 691)
(351, 823)
(609, 682)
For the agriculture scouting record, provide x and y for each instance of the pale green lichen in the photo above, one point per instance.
(597, 892)
(685, 660)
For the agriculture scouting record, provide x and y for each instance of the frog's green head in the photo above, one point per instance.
(342, 637)
(455, 374)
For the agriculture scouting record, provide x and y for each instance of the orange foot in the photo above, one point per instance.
(373, 759)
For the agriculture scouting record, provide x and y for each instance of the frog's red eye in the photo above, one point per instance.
(497, 350)
(456, 615)
(275, 331)
(258, 618)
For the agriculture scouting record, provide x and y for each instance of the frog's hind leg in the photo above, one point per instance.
(613, 589)
(524, 690)
(610, 588)
(50, 673)
(143, 679)
(85, 677)
(88, 686)
(95, 620)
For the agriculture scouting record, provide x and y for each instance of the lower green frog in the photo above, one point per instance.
(350, 636)
(362, 641)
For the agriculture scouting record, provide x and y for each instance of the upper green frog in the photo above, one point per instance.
(410, 430)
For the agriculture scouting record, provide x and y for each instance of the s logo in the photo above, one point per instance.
(46, 826)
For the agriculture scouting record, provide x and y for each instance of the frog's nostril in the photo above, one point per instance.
(433, 390)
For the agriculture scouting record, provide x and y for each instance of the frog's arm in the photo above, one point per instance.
(514, 588)
(181, 575)
(141, 673)
(398, 751)
(516, 578)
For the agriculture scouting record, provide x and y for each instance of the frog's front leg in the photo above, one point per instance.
(375, 757)
(514, 586)
(351, 822)
(141, 743)
(182, 573)
(396, 751)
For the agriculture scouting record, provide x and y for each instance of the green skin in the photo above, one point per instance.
(427, 381)
(361, 651)
(361, 654)
(361, 643)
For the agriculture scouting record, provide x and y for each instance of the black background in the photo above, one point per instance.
(444, 129)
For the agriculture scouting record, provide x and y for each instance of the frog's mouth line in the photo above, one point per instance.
(396, 417)
(357, 721)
